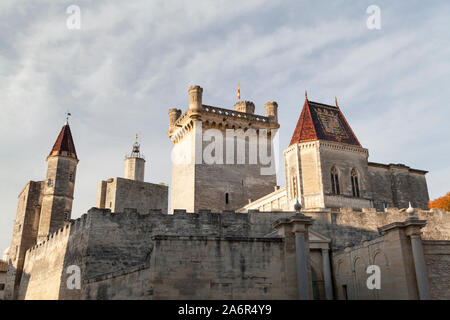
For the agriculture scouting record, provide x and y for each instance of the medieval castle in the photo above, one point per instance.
(230, 232)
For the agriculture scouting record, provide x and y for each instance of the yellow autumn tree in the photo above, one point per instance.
(441, 203)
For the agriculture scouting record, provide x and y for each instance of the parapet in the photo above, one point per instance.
(245, 107)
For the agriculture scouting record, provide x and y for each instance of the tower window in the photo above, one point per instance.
(50, 182)
(335, 181)
(294, 187)
(227, 198)
(355, 183)
(71, 177)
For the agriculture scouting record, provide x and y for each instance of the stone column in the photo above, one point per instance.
(327, 274)
(419, 266)
(302, 267)
(297, 226)
(410, 230)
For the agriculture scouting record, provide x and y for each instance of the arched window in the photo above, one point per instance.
(355, 183)
(335, 181)
(294, 187)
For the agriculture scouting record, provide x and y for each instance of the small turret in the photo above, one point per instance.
(272, 111)
(135, 163)
(245, 106)
(174, 114)
(195, 98)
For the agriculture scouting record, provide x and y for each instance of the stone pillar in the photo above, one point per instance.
(327, 275)
(419, 264)
(297, 226)
(410, 229)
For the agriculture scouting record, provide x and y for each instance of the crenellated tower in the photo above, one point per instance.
(222, 158)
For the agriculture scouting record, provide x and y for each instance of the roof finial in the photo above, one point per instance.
(335, 101)
(136, 137)
(306, 94)
(68, 114)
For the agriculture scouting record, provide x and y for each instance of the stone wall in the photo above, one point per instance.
(102, 242)
(437, 258)
(218, 268)
(347, 226)
(45, 268)
(396, 185)
(118, 194)
(394, 258)
(24, 235)
(201, 268)
(392, 252)
(3, 269)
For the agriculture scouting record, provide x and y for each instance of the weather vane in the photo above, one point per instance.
(68, 114)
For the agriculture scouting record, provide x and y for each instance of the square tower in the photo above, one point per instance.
(326, 166)
(221, 157)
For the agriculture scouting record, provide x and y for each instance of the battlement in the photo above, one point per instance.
(242, 117)
(79, 225)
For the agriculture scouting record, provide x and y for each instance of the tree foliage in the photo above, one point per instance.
(441, 203)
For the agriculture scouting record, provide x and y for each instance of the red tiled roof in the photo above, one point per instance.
(322, 122)
(64, 143)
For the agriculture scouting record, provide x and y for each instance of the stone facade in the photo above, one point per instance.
(130, 247)
(234, 138)
(117, 194)
(3, 270)
(394, 254)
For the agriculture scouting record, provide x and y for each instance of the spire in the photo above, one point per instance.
(64, 145)
(306, 94)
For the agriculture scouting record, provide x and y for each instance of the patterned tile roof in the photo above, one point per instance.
(322, 122)
(64, 143)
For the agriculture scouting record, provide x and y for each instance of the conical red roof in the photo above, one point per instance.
(322, 122)
(64, 143)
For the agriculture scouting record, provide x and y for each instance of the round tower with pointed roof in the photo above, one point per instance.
(59, 187)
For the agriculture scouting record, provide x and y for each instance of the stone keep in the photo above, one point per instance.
(235, 139)
(118, 194)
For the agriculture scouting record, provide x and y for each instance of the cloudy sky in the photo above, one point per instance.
(133, 60)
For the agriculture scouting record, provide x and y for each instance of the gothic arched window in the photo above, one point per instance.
(294, 187)
(355, 183)
(335, 181)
